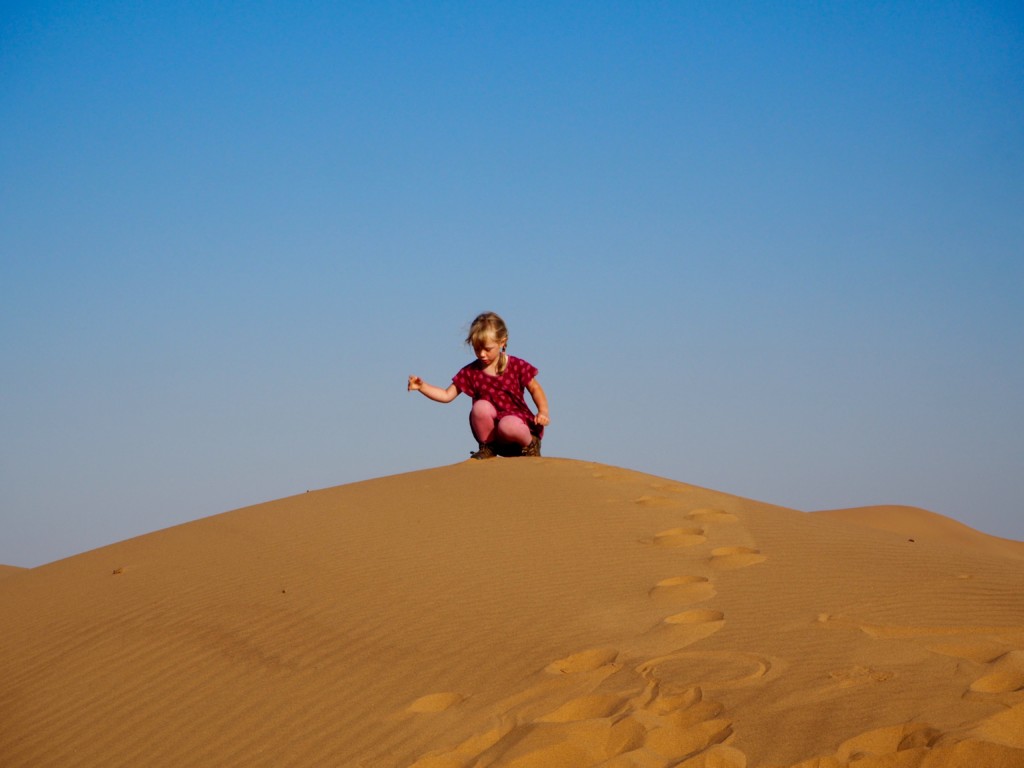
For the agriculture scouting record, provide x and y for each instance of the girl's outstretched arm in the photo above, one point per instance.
(541, 401)
(434, 393)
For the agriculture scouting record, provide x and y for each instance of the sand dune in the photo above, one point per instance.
(526, 613)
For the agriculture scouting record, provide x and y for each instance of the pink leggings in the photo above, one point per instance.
(488, 428)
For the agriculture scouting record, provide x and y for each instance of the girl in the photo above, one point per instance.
(501, 421)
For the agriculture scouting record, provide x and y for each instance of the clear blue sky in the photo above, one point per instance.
(775, 251)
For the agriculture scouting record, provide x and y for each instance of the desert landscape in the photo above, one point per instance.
(522, 613)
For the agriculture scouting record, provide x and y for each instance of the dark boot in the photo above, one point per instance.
(484, 452)
(533, 449)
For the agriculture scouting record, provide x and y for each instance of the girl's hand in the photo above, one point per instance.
(541, 401)
(415, 383)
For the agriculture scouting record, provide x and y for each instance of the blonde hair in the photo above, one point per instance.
(489, 326)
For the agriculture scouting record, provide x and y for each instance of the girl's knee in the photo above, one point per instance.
(484, 408)
(514, 430)
(481, 420)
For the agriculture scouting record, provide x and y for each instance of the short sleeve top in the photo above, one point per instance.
(505, 392)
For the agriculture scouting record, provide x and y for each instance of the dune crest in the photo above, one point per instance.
(584, 616)
(921, 524)
(10, 570)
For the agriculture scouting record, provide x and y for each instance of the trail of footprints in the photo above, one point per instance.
(593, 708)
(600, 708)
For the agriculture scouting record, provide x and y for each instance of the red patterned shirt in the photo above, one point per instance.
(504, 392)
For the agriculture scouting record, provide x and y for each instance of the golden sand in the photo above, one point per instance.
(527, 613)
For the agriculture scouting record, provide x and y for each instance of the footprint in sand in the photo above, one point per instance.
(683, 589)
(436, 702)
(695, 617)
(709, 670)
(732, 558)
(1007, 675)
(711, 516)
(680, 537)
(584, 661)
(680, 630)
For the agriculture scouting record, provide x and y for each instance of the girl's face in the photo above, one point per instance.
(489, 350)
